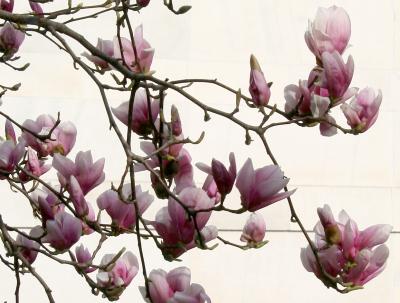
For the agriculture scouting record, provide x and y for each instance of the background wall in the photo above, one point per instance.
(214, 40)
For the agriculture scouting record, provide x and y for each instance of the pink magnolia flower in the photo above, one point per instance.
(260, 188)
(174, 287)
(337, 74)
(254, 230)
(10, 40)
(176, 124)
(77, 197)
(10, 152)
(10, 155)
(37, 9)
(47, 203)
(178, 230)
(83, 256)
(34, 166)
(63, 232)
(346, 252)
(142, 116)
(90, 217)
(118, 275)
(7, 5)
(88, 174)
(224, 179)
(144, 52)
(259, 88)
(298, 99)
(123, 215)
(106, 47)
(28, 247)
(363, 110)
(210, 187)
(63, 136)
(327, 128)
(329, 32)
(183, 176)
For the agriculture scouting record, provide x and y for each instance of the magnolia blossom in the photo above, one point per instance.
(83, 256)
(77, 197)
(37, 9)
(254, 230)
(143, 118)
(116, 276)
(10, 155)
(176, 124)
(144, 52)
(210, 187)
(7, 5)
(330, 31)
(10, 40)
(346, 252)
(260, 188)
(174, 287)
(224, 179)
(47, 203)
(298, 98)
(122, 213)
(88, 174)
(259, 88)
(28, 247)
(106, 47)
(363, 110)
(177, 230)
(63, 232)
(34, 166)
(62, 138)
(337, 74)
(183, 176)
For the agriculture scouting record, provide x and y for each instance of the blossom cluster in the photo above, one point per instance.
(342, 252)
(354, 256)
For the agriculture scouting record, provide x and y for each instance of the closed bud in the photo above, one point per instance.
(176, 124)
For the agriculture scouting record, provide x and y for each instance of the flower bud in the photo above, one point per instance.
(142, 3)
(176, 124)
(254, 230)
(259, 88)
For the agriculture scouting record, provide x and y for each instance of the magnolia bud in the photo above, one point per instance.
(142, 3)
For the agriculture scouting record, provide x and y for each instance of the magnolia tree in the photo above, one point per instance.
(342, 256)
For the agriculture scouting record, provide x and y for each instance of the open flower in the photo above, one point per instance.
(174, 287)
(354, 256)
(88, 174)
(29, 248)
(63, 232)
(142, 115)
(363, 110)
(144, 52)
(177, 229)
(62, 138)
(106, 47)
(118, 274)
(260, 188)
(123, 214)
